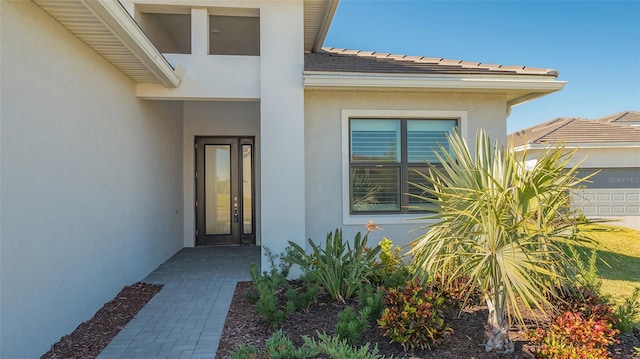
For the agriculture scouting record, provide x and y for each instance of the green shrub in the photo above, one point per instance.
(266, 299)
(390, 259)
(350, 324)
(572, 336)
(278, 346)
(372, 298)
(393, 272)
(303, 296)
(586, 276)
(337, 348)
(628, 313)
(243, 351)
(413, 316)
(278, 262)
(337, 267)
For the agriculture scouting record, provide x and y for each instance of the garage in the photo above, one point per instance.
(611, 192)
(608, 146)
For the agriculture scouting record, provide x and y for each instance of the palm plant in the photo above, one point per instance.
(501, 225)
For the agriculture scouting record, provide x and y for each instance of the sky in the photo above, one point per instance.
(595, 45)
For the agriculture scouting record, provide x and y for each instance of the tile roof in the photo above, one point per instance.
(576, 130)
(341, 60)
(625, 117)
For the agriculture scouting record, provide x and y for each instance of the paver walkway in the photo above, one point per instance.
(185, 319)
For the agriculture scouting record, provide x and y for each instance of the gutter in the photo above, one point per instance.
(578, 145)
(538, 85)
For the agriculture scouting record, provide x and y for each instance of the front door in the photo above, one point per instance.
(224, 191)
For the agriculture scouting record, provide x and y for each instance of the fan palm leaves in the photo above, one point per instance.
(502, 225)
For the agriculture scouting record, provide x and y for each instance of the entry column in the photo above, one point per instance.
(282, 125)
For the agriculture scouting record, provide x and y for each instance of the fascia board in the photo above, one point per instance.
(577, 145)
(362, 80)
(116, 18)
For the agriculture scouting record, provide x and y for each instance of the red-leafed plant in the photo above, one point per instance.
(572, 336)
(413, 316)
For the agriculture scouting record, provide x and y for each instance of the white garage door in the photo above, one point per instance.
(613, 192)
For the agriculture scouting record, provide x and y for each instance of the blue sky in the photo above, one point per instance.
(595, 45)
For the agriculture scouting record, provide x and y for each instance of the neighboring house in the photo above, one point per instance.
(609, 146)
(204, 122)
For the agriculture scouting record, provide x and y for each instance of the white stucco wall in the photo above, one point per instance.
(91, 190)
(215, 119)
(324, 149)
(282, 158)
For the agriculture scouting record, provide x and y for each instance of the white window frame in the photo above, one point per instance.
(347, 114)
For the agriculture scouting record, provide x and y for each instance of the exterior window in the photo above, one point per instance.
(383, 156)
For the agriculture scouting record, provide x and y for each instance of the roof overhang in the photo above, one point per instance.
(517, 89)
(318, 15)
(108, 28)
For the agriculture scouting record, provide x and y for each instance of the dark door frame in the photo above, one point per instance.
(237, 231)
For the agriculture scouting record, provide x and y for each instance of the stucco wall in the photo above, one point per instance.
(91, 189)
(216, 119)
(324, 150)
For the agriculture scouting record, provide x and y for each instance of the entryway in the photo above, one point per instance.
(225, 188)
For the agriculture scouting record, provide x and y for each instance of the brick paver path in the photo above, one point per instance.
(185, 319)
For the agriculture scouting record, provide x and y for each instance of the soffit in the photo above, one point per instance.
(107, 28)
(317, 19)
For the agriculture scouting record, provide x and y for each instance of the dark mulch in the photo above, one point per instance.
(92, 336)
(244, 326)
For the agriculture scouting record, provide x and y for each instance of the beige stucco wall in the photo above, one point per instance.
(91, 191)
(598, 157)
(324, 150)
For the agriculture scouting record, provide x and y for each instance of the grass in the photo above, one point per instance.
(619, 266)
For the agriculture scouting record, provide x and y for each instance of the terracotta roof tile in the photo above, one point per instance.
(575, 130)
(342, 60)
(625, 117)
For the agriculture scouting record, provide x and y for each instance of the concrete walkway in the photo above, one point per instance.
(185, 319)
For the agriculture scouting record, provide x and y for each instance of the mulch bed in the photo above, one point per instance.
(92, 336)
(243, 325)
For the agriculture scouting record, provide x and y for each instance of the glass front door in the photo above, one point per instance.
(224, 191)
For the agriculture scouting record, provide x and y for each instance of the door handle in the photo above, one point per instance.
(235, 209)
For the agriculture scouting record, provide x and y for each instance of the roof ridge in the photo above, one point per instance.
(616, 116)
(519, 69)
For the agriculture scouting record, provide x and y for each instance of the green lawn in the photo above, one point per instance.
(620, 249)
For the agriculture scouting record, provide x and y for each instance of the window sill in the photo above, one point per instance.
(385, 219)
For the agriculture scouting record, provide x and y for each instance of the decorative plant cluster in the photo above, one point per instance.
(571, 336)
(337, 267)
(589, 324)
(413, 316)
